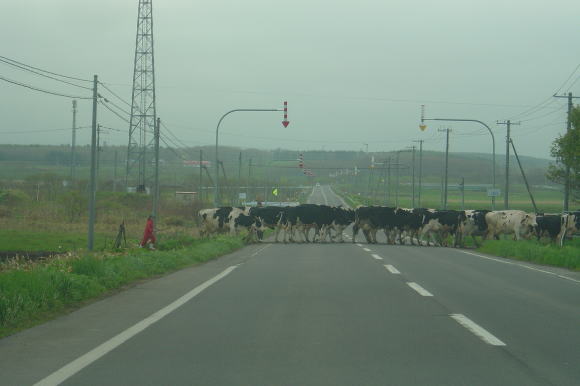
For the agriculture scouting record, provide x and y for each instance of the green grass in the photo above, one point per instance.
(536, 252)
(34, 293)
(43, 241)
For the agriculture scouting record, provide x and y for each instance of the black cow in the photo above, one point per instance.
(550, 225)
(370, 219)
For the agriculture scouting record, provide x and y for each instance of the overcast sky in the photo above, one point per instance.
(353, 72)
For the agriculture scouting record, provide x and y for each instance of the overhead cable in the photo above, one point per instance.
(42, 90)
(46, 71)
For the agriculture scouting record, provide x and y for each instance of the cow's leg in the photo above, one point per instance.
(355, 229)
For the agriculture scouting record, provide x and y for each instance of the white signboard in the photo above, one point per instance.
(242, 196)
(493, 192)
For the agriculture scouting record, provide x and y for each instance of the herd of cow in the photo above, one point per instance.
(417, 226)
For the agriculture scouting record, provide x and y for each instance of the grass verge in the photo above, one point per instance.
(536, 252)
(37, 292)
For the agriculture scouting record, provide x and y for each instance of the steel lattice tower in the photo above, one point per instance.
(140, 153)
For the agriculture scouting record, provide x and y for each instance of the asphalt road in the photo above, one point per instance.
(324, 314)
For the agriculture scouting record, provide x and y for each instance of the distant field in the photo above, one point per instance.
(546, 200)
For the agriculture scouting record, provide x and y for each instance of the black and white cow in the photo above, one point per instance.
(342, 218)
(406, 221)
(438, 224)
(471, 223)
(269, 217)
(214, 220)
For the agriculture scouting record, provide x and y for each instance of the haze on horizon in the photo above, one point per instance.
(352, 73)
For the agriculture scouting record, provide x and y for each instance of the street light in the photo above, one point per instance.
(492, 145)
(217, 169)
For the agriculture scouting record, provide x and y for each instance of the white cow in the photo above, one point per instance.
(516, 222)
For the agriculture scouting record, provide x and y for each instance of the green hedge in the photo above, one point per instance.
(40, 291)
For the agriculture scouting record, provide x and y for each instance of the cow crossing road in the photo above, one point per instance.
(321, 314)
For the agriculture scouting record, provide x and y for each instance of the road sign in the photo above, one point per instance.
(242, 196)
(275, 192)
(493, 192)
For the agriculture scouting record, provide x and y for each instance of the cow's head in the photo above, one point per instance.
(530, 225)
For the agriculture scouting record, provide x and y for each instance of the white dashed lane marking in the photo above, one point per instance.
(420, 290)
(377, 257)
(366, 249)
(479, 331)
(392, 269)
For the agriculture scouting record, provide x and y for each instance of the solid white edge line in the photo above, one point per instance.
(422, 291)
(476, 329)
(521, 265)
(392, 269)
(376, 256)
(83, 361)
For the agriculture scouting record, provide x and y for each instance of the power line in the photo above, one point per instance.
(48, 72)
(545, 115)
(117, 106)
(44, 75)
(117, 96)
(114, 112)
(42, 90)
(546, 101)
(40, 131)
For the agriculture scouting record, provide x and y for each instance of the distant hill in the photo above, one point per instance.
(474, 167)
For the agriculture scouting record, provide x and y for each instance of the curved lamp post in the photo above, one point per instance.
(492, 145)
(217, 167)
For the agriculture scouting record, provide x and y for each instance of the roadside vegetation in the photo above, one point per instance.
(538, 252)
(33, 292)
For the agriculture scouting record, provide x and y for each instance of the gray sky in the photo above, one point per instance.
(353, 72)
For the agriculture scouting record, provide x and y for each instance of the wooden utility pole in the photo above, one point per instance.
(568, 128)
(74, 141)
(420, 171)
(446, 168)
(508, 124)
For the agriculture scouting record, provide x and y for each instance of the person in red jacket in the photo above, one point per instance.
(148, 235)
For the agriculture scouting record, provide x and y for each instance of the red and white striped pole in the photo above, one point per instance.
(285, 122)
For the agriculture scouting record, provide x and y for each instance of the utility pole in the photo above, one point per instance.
(568, 128)
(240, 176)
(249, 179)
(389, 181)
(200, 174)
(446, 167)
(508, 124)
(98, 150)
(462, 188)
(74, 140)
(115, 173)
(93, 180)
(420, 170)
(397, 165)
(156, 191)
(413, 177)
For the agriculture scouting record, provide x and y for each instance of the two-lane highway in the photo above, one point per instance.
(319, 314)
